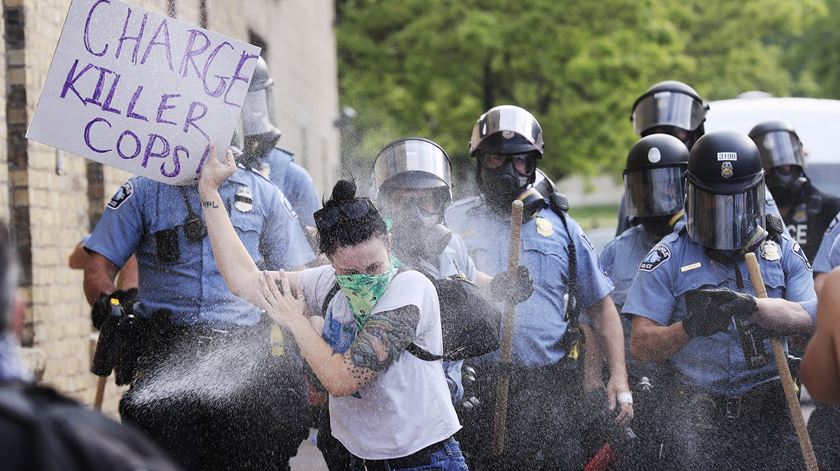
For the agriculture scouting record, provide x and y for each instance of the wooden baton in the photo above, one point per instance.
(506, 348)
(101, 381)
(784, 373)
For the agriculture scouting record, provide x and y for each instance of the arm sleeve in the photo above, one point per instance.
(308, 281)
(822, 260)
(283, 242)
(799, 279)
(302, 193)
(592, 284)
(120, 229)
(834, 254)
(651, 294)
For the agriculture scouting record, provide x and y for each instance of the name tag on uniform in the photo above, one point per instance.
(690, 267)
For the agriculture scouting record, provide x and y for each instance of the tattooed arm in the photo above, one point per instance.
(375, 349)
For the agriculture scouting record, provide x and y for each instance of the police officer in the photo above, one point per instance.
(675, 108)
(261, 152)
(692, 304)
(806, 210)
(654, 182)
(824, 259)
(210, 388)
(507, 142)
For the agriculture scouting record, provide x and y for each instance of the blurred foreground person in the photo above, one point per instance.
(654, 185)
(821, 365)
(212, 385)
(828, 255)
(390, 409)
(261, 152)
(545, 388)
(39, 428)
(692, 304)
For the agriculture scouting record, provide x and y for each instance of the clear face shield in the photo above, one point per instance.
(413, 164)
(258, 112)
(779, 148)
(725, 222)
(509, 121)
(668, 109)
(654, 192)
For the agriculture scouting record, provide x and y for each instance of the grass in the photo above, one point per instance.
(593, 217)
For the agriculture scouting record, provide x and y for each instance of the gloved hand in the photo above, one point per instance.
(710, 310)
(513, 287)
(102, 306)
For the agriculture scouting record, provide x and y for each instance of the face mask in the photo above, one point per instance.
(501, 186)
(364, 291)
(786, 188)
(418, 234)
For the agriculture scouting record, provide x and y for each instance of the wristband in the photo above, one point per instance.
(625, 397)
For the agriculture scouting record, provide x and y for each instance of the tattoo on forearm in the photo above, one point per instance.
(381, 341)
(209, 204)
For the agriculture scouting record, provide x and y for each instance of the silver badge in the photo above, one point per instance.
(508, 134)
(244, 200)
(726, 170)
(770, 251)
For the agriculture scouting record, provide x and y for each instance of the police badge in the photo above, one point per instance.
(770, 251)
(726, 170)
(244, 200)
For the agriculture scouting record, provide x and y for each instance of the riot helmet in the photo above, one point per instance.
(507, 142)
(670, 107)
(412, 185)
(725, 199)
(783, 158)
(654, 176)
(260, 134)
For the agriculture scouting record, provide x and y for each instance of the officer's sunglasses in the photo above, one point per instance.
(327, 218)
(524, 164)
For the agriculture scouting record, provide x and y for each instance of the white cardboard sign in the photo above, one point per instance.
(141, 91)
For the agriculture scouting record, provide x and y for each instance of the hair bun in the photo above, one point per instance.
(344, 191)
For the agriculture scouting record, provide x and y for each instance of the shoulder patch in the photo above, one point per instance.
(797, 249)
(121, 196)
(586, 239)
(657, 256)
(833, 224)
(288, 205)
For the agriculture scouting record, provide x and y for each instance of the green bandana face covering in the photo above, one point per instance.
(364, 291)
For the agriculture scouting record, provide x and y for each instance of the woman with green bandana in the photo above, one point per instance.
(390, 409)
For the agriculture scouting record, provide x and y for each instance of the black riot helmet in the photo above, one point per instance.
(654, 176)
(725, 200)
(260, 134)
(422, 167)
(507, 142)
(670, 107)
(782, 157)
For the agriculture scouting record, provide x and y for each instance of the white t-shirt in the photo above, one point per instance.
(407, 407)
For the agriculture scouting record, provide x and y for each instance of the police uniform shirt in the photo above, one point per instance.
(147, 218)
(676, 265)
(620, 260)
(834, 255)
(295, 183)
(540, 323)
(822, 261)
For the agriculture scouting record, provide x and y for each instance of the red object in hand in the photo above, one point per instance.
(602, 460)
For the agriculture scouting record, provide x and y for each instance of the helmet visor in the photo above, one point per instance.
(779, 148)
(668, 109)
(411, 157)
(654, 191)
(724, 222)
(257, 112)
(510, 121)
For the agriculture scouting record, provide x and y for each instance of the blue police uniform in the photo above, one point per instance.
(295, 183)
(195, 316)
(144, 212)
(725, 414)
(540, 320)
(823, 262)
(544, 397)
(620, 260)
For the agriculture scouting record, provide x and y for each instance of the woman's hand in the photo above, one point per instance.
(282, 306)
(216, 172)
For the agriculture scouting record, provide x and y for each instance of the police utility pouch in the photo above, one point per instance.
(194, 229)
(167, 248)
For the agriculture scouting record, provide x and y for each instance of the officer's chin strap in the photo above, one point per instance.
(676, 217)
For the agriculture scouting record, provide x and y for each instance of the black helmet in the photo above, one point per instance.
(725, 201)
(668, 105)
(654, 177)
(412, 163)
(507, 141)
(778, 144)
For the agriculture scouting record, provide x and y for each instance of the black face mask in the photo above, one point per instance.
(255, 149)
(418, 234)
(786, 188)
(501, 186)
(657, 226)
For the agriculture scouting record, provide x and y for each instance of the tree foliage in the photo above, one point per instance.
(431, 67)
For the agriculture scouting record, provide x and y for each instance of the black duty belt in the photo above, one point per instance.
(756, 401)
(417, 459)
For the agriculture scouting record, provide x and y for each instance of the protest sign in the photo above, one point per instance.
(140, 91)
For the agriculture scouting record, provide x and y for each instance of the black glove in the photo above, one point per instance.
(710, 310)
(513, 287)
(102, 306)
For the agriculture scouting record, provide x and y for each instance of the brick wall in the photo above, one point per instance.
(52, 199)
